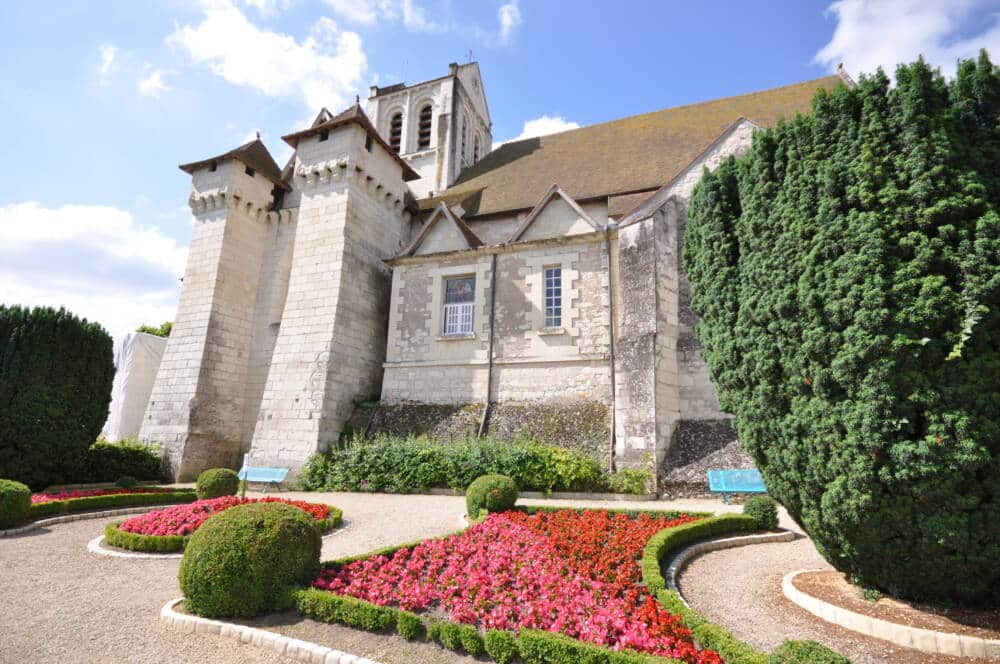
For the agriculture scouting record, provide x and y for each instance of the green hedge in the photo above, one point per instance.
(15, 504)
(56, 372)
(393, 464)
(805, 652)
(106, 462)
(217, 482)
(144, 543)
(111, 501)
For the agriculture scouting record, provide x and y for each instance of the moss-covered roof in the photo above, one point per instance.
(634, 154)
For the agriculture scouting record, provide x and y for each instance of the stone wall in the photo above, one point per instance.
(697, 447)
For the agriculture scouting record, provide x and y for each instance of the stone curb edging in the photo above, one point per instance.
(81, 516)
(94, 546)
(924, 640)
(303, 651)
(685, 555)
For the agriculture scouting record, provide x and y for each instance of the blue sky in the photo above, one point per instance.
(101, 101)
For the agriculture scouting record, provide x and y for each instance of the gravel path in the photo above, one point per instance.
(64, 604)
(740, 589)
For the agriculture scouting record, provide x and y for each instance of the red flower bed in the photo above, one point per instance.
(185, 519)
(565, 571)
(87, 493)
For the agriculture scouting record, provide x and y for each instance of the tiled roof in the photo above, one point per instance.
(634, 154)
(355, 115)
(253, 154)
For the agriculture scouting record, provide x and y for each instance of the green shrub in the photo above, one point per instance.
(162, 330)
(630, 480)
(217, 482)
(493, 493)
(409, 625)
(538, 647)
(445, 633)
(500, 645)
(763, 510)
(106, 462)
(110, 501)
(471, 640)
(126, 482)
(805, 652)
(392, 464)
(15, 504)
(248, 559)
(846, 279)
(324, 606)
(56, 372)
(144, 543)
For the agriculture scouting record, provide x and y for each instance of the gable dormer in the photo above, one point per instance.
(555, 215)
(442, 232)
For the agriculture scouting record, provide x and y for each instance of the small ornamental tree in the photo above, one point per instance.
(846, 272)
(55, 386)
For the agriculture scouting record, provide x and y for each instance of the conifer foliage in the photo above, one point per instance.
(846, 272)
(55, 386)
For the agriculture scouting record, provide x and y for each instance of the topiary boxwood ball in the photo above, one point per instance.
(15, 504)
(217, 482)
(763, 510)
(493, 493)
(247, 560)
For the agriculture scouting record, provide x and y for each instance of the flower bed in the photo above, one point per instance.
(168, 529)
(37, 498)
(567, 571)
(114, 500)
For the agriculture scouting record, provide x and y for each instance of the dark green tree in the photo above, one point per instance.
(55, 386)
(846, 272)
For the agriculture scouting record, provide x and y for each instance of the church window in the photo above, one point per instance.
(396, 132)
(553, 296)
(424, 130)
(459, 305)
(465, 137)
(475, 150)
(368, 142)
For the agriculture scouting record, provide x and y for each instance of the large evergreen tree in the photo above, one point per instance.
(846, 272)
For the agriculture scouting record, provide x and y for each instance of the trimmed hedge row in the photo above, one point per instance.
(113, 501)
(532, 646)
(173, 543)
(665, 543)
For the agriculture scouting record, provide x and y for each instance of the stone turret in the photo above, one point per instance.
(196, 407)
(331, 344)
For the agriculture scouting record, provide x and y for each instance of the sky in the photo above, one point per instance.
(101, 100)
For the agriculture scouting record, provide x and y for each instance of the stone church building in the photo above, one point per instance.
(398, 258)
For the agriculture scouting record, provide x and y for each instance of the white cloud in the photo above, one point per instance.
(92, 259)
(324, 68)
(152, 85)
(107, 67)
(510, 18)
(267, 8)
(356, 11)
(541, 126)
(873, 33)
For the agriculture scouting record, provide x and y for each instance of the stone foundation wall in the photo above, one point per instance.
(436, 421)
(696, 447)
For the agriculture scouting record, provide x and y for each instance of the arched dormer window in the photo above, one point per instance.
(396, 132)
(424, 128)
(475, 150)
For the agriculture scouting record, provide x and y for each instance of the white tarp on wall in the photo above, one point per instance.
(137, 360)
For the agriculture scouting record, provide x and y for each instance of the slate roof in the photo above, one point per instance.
(634, 154)
(252, 154)
(357, 116)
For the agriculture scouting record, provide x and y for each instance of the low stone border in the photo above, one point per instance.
(94, 546)
(303, 651)
(559, 495)
(924, 640)
(81, 516)
(685, 555)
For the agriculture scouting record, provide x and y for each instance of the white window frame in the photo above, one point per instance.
(552, 296)
(458, 319)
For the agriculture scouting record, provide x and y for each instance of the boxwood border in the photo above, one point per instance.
(122, 539)
(115, 500)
